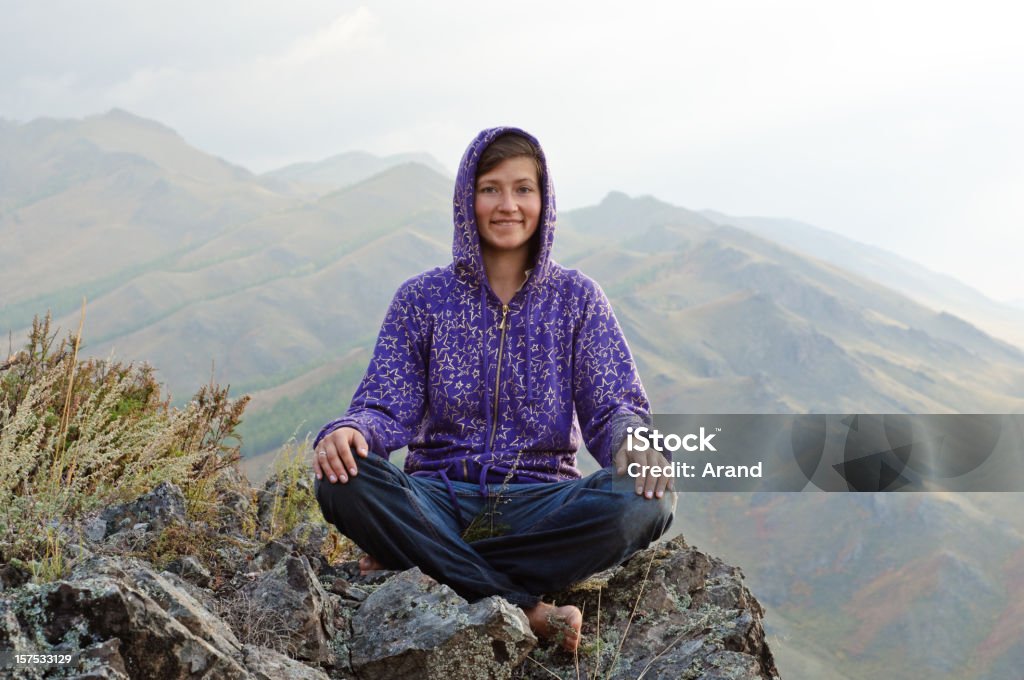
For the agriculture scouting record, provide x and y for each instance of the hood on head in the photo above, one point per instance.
(466, 244)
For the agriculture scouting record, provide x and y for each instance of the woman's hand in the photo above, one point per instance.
(647, 485)
(335, 456)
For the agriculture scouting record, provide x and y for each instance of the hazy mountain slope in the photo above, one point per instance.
(902, 585)
(938, 291)
(87, 205)
(342, 170)
(715, 313)
(262, 299)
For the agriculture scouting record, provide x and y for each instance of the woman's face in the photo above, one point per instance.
(508, 205)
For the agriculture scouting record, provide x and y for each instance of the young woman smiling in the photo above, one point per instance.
(493, 370)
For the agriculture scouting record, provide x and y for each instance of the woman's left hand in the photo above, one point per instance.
(647, 485)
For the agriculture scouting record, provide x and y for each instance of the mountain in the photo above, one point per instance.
(282, 293)
(901, 586)
(270, 291)
(939, 291)
(88, 205)
(722, 320)
(343, 169)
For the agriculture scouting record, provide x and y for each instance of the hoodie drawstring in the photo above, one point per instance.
(500, 475)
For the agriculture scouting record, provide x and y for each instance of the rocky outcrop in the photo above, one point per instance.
(669, 612)
(413, 627)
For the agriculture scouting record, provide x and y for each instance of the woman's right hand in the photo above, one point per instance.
(334, 457)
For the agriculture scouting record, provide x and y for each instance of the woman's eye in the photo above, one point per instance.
(487, 190)
(525, 190)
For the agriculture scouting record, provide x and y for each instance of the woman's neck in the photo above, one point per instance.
(506, 272)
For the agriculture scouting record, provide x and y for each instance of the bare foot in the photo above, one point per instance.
(562, 624)
(367, 563)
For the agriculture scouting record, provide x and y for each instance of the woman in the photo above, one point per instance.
(492, 370)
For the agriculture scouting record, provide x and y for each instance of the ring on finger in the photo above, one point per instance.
(323, 453)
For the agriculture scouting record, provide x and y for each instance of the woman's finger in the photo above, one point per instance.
(361, 448)
(335, 469)
(346, 462)
(316, 463)
(664, 484)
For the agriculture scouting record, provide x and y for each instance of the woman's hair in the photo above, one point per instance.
(509, 145)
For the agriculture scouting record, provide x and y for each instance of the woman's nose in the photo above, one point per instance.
(508, 202)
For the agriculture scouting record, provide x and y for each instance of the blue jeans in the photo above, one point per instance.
(548, 536)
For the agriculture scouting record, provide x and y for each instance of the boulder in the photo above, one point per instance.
(191, 569)
(267, 664)
(291, 592)
(670, 611)
(152, 642)
(157, 509)
(414, 627)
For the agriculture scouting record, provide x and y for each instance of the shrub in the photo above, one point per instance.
(79, 435)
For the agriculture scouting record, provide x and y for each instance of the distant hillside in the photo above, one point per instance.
(345, 169)
(88, 205)
(723, 320)
(897, 586)
(939, 291)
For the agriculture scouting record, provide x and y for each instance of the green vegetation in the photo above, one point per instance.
(76, 436)
(65, 300)
(315, 406)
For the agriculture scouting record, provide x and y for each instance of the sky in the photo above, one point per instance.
(895, 123)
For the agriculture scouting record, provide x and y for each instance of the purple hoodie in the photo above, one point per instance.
(485, 393)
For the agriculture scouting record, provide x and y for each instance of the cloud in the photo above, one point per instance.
(348, 32)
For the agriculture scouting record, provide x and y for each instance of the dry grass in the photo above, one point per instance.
(78, 435)
(293, 501)
(255, 622)
(632, 614)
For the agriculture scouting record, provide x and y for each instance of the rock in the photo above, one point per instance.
(292, 593)
(103, 661)
(308, 538)
(234, 497)
(270, 554)
(188, 567)
(12, 637)
(94, 528)
(414, 627)
(12, 576)
(670, 611)
(268, 498)
(693, 618)
(119, 618)
(186, 610)
(266, 664)
(203, 595)
(160, 507)
(346, 590)
(153, 643)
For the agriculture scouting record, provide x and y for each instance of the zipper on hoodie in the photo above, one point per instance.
(497, 377)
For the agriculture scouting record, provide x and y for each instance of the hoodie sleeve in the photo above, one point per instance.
(607, 390)
(390, 401)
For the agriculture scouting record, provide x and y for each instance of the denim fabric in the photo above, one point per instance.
(549, 535)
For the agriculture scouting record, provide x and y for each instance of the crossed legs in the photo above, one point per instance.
(549, 536)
